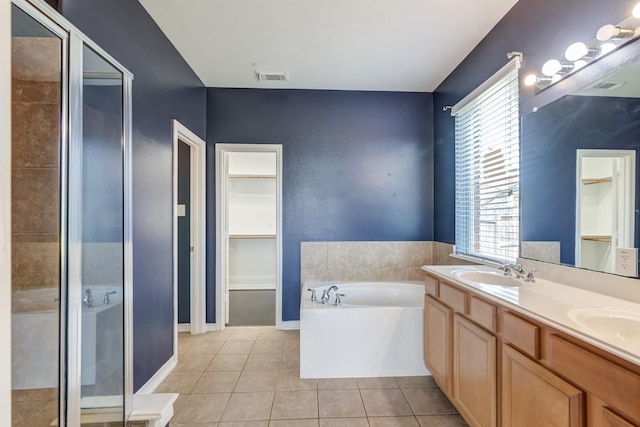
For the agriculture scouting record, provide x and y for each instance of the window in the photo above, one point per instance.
(488, 169)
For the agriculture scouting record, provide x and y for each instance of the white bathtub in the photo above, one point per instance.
(376, 332)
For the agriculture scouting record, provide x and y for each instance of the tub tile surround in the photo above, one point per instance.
(222, 395)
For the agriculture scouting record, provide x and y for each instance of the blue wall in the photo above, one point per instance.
(541, 29)
(164, 88)
(549, 160)
(357, 166)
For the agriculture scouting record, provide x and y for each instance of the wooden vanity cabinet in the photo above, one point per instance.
(502, 368)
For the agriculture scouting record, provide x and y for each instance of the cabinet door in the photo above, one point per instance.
(533, 396)
(437, 341)
(611, 419)
(474, 373)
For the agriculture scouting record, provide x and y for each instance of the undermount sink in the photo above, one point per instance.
(489, 278)
(611, 322)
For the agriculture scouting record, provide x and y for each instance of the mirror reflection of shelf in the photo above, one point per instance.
(603, 239)
(250, 176)
(590, 181)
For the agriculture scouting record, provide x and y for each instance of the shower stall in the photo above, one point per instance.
(70, 225)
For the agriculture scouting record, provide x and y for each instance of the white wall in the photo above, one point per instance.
(5, 212)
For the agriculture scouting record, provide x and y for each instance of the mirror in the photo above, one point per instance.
(578, 179)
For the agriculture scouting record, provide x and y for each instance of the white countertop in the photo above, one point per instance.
(550, 303)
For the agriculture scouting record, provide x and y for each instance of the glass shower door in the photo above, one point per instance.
(102, 193)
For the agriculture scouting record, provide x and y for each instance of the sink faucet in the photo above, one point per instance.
(327, 293)
(87, 299)
(514, 270)
(107, 300)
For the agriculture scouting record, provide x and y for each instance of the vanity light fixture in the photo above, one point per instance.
(614, 32)
(553, 67)
(608, 38)
(579, 50)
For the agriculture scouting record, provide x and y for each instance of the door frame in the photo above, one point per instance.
(221, 220)
(629, 196)
(197, 324)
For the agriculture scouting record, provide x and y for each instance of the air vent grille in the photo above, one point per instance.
(272, 77)
(607, 85)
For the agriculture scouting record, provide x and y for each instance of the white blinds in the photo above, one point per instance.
(488, 171)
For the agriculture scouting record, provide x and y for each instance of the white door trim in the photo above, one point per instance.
(221, 234)
(198, 230)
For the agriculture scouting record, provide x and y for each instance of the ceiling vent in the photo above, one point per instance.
(606, 85)
(272, 77)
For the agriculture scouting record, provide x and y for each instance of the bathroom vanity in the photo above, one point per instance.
(531, 354)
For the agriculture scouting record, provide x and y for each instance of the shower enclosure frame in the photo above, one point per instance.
(71, 138)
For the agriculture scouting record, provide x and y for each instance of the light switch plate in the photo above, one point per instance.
(182, 210)
(627, 261)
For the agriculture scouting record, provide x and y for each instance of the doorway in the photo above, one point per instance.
(249, 236)
(605, 210)
(189, 248)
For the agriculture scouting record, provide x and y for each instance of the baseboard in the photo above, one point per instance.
(153, 383)
(211, 327)
(289, 325)
(184, 327)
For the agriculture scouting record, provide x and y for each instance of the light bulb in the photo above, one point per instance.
(607, 47)
(551, 67)
(580, 50)
(580, 63)
(636, 11)
(530, 80)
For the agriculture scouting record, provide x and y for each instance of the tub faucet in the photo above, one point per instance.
(87, 299)
(514, 270)
(313, 295)
(107, 300)
(338, 299)
(327, 293)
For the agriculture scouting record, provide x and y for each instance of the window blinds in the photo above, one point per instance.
(488, 170)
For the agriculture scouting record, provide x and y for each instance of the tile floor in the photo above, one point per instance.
(250, 377)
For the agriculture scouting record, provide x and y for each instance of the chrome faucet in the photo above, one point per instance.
(87, 299)
(107, 300)
(338, 298)
(514, 270)
(313, 295)
(530, 272)
(327, 293)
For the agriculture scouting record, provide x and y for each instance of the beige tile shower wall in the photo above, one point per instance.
(364, 261)
(35, 162)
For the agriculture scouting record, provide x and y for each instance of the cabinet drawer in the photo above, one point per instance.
(611, 419)
(521, 334)
(483, 313)
(453, 297)
(430, 286)
(612, 383)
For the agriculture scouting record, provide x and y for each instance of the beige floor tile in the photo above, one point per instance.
(185, 338)
(292, 405)
(417, 381)
(344, 422)
(243, 424)
(257, 381)
(293, 423)
(290, 365)
(441, 421)
(289, 380)
(428, 401)
(340, 403)
(184, 348)
(248, 407)
(205, 347)
(216, 382)
(178, 382)
(264, 362)
(236, 347)
(243, 333)
(369, 383)
(393, 422)
(268, 346)
(179, 401)
(337, 384)
(292, 345)
(228, 362)
(201, 408)
(215, 336)
(193, 363)
(385, 402)
(274, 334)
(195, 425)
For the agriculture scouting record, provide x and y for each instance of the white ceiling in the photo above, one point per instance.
(381, 45)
